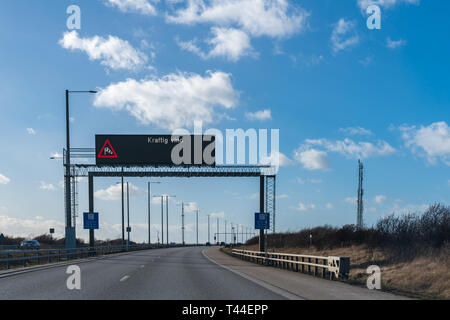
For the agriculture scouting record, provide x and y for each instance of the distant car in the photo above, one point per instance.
(222, 244)
(208, 244)
(30, 244)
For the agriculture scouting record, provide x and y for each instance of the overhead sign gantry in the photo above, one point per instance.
(166, 156)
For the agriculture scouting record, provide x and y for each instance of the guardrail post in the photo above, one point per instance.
(316, 261)
(323, 268)
(296, 265)
(309, 266)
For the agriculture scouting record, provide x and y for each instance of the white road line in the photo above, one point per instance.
(277, 290)
(125, 278)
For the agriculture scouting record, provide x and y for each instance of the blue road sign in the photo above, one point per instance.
(90, 220)
(262, 220)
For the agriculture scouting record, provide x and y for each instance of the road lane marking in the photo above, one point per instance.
(125, 278)
(268, 286)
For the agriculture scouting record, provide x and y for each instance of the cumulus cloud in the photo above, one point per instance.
(114, 192)
(220, 214)
(47, 186)
(31, 131)
(344, 35)
(352, 149)
(431, 142)
(356, 131)
(112, 52)
(4, 179)
(312, 159)
(277, 158)
(394, 44)
(173, 101)
(261, 115)
(380, 199)
(329, 206)
(191, 207)
(304, 207)
(229, 43)
(273, 18)
(139, 6)
(351, 200)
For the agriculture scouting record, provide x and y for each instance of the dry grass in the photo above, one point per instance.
(422, 274)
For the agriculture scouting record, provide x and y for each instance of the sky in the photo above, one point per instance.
(336, 90)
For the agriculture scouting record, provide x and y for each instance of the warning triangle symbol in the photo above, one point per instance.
(107, 151)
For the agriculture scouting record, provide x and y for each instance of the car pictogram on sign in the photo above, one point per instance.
(107, 151)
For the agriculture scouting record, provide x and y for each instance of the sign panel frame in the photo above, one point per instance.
(155, 150)
(90, 221)
(262, 220)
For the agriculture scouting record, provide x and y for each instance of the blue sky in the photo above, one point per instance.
(336, 90)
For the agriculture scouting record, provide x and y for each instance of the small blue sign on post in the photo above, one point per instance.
(262, 220)
(90, 220)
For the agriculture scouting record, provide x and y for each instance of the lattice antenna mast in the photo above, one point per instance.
(360, 222)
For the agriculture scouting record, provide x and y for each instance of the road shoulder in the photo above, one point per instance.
(300, 285)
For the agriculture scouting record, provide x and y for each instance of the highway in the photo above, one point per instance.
(191, 273)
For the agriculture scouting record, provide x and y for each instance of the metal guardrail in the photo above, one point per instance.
(334, 267)
(15, 258)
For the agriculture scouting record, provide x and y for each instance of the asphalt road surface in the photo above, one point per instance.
(190, 273)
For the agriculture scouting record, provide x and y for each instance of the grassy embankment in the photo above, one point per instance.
(413, 251)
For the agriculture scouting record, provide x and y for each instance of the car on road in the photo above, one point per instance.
(30, 244)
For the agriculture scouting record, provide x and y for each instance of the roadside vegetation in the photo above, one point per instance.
(412, 250)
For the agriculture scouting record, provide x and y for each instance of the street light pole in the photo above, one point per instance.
(70, 230)
(128, 215)
(149, 209)
(209, 239)
(123, 214)
(197, 225)
(182, 223)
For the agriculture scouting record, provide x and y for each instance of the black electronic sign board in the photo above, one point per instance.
(155, 150)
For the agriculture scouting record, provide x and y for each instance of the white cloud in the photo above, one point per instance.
(56, 155)
(351, 200)
(364, 4)
(380, 199)
(353, 149)
(303, 207)
(4, 179)
(277, 158)
(273, 18)
(47, 186)
(114, 192)
(394, 44)
(31, 131)
(229, 43)
(262, 115)
(29, 227)
(356, 131)
(112, 52)
(344, 35)
(312, 159)
(220, 215)
(313, 181)
(173, 101)
(140, 6)
(191, 207)
(431, 142)
(283, 196)
(329, 206)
